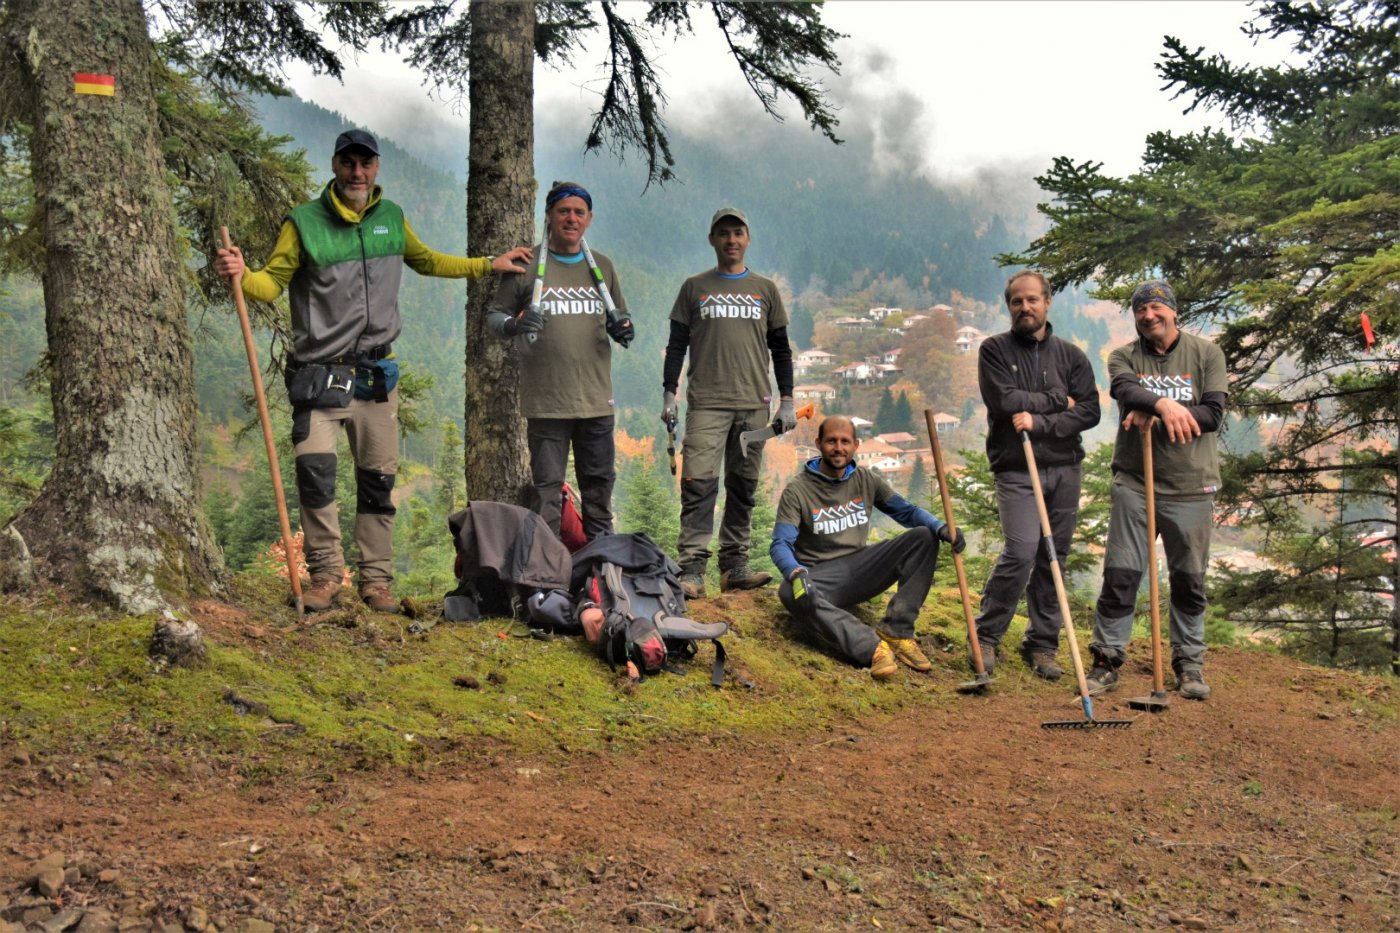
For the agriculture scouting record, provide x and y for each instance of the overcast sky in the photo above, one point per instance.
(957, 86)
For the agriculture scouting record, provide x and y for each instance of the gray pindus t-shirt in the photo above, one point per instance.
(566, 372)
(729, 318)
(832, 517)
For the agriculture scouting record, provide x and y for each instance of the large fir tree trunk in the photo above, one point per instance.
(500, 210)
(119, 516)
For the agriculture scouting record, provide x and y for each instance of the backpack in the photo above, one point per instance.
(508, 564)
(637, 587)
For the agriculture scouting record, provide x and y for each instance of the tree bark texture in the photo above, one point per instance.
(500, 214)
(119, 517)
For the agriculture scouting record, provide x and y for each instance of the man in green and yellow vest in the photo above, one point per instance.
(341, 257)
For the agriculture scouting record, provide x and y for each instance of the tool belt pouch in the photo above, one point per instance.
(320, 385)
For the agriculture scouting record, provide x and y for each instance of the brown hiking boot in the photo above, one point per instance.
(742, 578)
(693, 585)
(1042, 663)
(321, 595)
(377, 597)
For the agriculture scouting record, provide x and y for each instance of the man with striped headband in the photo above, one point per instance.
(561, 322)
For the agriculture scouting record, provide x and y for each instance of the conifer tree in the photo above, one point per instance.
(1287, 244)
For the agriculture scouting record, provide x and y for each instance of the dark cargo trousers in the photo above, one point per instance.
(372, 428)
(712, 435)
(1024, 564)
(592, 441)
(908, 560)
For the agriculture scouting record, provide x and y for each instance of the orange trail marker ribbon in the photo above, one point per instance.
(102, 85)
(1366, 330)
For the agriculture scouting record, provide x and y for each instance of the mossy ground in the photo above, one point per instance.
(357, 687)
(354, 687)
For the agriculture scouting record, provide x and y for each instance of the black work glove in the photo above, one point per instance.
(620, 329)
(958, 542)
(804, 594)
(530, 322)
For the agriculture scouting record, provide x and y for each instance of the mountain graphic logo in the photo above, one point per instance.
(1176, 386)
(834, 519)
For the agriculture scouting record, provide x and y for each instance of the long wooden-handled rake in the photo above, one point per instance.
(1088, 722)
(288, 546)
(1157, 701)
(983, 679)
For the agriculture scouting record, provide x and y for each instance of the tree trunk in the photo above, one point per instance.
(500, 214)
(119, 516)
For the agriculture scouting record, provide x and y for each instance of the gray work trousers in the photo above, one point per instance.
(712, 435)
(908, 560)
(1184, 525)
(1024, 564)
(592, 441)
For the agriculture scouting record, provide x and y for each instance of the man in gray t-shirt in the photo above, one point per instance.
(1173, 385)
(820, 545)
(566, 360)
(732, 321)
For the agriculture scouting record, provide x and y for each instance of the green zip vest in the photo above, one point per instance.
(345, 295)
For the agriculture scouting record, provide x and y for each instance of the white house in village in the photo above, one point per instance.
(944, 422)
(853, 323)
(820, 392)
(892, 356)
(857, 372)
(968, 338)
(808, 360)
(901, 439)
(879, 314)
(863, 427)
(912, 321)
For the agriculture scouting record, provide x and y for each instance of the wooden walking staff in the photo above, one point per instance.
(983, 679)
(293, 573)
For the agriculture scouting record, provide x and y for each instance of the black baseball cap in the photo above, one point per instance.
(356, 138)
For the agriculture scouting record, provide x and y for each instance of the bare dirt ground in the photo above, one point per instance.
(1273, 804)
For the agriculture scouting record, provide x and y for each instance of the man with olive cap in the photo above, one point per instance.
(1173, 385)
(732, 320)
(341, 257)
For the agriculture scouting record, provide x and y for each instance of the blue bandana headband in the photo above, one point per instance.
(1156, 290)
(567, 191)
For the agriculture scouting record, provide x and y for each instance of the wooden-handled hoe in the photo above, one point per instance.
(1157, 701)
(983, 680)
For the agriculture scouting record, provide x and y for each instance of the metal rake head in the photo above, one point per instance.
(981, 685)
(1088, 724)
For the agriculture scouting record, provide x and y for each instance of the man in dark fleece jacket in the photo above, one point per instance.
(819, 546)
(1036, 383)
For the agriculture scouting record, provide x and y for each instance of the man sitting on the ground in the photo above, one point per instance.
(819, 545)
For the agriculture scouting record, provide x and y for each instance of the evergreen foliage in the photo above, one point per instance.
(1281, 241)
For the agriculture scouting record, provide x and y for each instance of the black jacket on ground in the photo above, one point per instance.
(1022, 374)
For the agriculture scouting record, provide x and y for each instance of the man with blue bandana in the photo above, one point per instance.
(819, 546)
(1172, 384)
(732, 322)
(566, 359)
(341, 258)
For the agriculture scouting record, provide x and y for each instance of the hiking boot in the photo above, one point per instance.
(1042, 663)
(1101, 679)
(882, 666)
(693, 585)
(1192, 684)
(377, 597)
(321, 595)
(743, 578)
(907, 651)
(989, 658)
